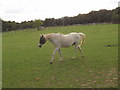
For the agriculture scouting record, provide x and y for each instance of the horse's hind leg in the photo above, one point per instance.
(74, 52)
(61, 57)
(80, 49)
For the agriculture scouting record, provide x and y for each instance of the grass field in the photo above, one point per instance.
(25, 65)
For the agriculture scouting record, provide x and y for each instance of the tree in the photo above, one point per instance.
(115, 17)
(37, 23)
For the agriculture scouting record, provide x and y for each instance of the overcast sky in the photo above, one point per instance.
(21, 10)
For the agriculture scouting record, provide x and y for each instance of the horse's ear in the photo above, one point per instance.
(40, 35)
(43, 35)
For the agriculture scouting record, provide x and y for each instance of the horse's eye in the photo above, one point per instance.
(42, 40)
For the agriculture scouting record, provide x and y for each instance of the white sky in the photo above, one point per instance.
(21, 10)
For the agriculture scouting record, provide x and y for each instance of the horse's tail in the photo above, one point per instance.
(82, 35)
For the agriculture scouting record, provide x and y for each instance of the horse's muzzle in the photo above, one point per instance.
(40, 46)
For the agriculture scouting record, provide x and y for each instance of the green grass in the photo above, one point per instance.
(25, 65)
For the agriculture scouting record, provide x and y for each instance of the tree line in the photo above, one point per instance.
(12, 25)
(101, 16)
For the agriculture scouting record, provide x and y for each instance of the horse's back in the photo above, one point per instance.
(64, 40)
(70, 39)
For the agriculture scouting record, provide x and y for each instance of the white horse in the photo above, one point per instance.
(60, 40)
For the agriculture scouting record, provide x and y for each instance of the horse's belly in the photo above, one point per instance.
(66, 43)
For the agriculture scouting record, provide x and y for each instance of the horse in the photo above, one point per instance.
(60, 40)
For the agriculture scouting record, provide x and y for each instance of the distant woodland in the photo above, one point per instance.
(93, 17)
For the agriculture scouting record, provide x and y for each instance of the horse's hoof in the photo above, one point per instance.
(50, 62)
(61, 59)
(73, 58)
(82, 55)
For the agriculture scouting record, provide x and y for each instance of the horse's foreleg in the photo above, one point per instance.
(75, 52)
(61, 57)
(56, 49)
(80, 49)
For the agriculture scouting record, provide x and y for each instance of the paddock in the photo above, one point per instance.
(25, 65)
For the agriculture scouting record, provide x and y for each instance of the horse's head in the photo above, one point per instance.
(42, 40)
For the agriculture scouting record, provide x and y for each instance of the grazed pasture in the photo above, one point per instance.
(27, 65)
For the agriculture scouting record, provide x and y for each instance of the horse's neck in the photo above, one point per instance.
(48, 36)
